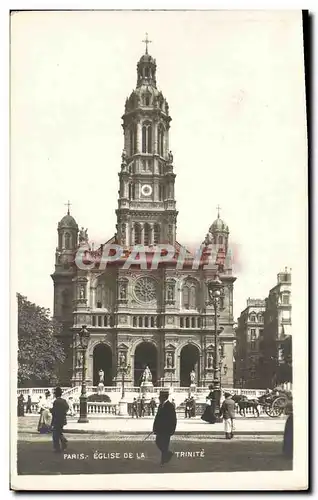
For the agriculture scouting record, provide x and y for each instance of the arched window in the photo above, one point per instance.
(140, 321)
(160, 140)
(105, 321)
(181, 323)
(190, 295)
(156, 234)
(67, 239)
(146, 235)
(129, 191)
(94, 320)
(192, 322)
(147, 138)
(137, 234)
(134, 322)
(147, 100)
(187, 323)
(152, 322)
(146, 72)
(146, 322)
(133, 139)
(220, 240)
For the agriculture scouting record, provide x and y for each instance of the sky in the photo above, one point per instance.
(234, 81)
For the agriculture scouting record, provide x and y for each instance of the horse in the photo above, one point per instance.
(243, 403)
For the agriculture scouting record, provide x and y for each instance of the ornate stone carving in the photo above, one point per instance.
(170, 320)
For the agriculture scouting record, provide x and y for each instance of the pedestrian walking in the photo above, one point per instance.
(134, 408)
(59, 411)
(153, 406)
(164, 426)
(29, 405)
(20, 405)
(142, 406)
(45, 420)
(227, 411)
(187, 411)
(71, 411)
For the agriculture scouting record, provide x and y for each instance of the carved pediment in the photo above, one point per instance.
(123, 347)
(170, 347)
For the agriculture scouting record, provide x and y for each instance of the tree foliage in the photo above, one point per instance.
(39, 350)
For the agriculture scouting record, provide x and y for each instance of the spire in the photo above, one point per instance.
(218, 209)
(146, 41)
(68, 204)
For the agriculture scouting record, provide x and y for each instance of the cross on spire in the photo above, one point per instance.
(68, 206)
(146, 41)
(218, 209)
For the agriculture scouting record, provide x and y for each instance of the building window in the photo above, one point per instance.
(137, 234)
(192, 322)
(133, 140)
(253, 334)
(147, 138)
(99, 321)
(160, 140)
(253, 345)
(140, 321)
(181, 323)
(147, 100)
(189, 295)
(105, 321)
(146, 322)
(220, 240)
(152, 322)
(260, 317)
(67, 241)
(134, 322)
(156, 234)
(187, 323)
(146, 234)
(94, 320)
(253, 318)
(99, 305)
(285, 299)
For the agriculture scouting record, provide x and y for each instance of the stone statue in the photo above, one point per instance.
(79, 359)
(170, 157)
(210, 360)
(208, 239)
(82, 292)
(124, 157)
(147, 375)
(83, 236)
(122, 359)
(170, 292)
(101, 376)
(169, 360)
(123, 294)
(192, 377)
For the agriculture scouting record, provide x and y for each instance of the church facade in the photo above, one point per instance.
(138, 315)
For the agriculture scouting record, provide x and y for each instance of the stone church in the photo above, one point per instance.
(140, 316)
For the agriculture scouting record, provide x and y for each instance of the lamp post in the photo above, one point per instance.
(124, 369)
(214, 288)
(84, 339)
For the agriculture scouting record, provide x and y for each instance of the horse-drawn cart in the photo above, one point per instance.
(276, 404)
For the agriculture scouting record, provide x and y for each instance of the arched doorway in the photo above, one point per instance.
(189, 360)
(145, 355)
(102, 359)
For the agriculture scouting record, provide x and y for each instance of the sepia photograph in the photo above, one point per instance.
(159, 236)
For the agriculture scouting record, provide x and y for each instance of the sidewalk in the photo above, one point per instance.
(131, 426)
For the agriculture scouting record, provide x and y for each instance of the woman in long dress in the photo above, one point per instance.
(209, 412)
(44, 407)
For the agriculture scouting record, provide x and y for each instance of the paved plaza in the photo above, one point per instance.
(113, 457)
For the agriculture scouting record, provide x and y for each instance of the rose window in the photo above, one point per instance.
(145, 289)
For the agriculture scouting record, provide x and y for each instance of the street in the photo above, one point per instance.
(86, 456)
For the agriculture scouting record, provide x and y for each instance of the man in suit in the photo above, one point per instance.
(164, 426)
(134, 408)
(59, 411)
(227, 411)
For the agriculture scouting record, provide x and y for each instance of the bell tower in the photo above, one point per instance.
(146, 211)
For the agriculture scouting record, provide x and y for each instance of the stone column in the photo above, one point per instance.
(142, 233)
(132, 235)
(155, 137)
(138, 137)
(151, 233)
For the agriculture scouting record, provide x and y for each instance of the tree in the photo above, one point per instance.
(39, 351)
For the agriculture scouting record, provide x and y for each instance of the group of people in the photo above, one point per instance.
(53, 418)
(140, 407)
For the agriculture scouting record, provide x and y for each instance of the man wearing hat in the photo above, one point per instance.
(164, 426)
(59, 411)
(227, 411)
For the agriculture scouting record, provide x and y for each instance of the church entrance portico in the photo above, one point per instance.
(102, 360)
(189, 360)
(145, 355)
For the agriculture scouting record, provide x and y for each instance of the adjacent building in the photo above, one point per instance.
(249, 330)
(264, 341)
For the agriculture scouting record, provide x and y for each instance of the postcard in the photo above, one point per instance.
(159, 195)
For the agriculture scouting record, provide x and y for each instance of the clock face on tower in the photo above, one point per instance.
(146, 190)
